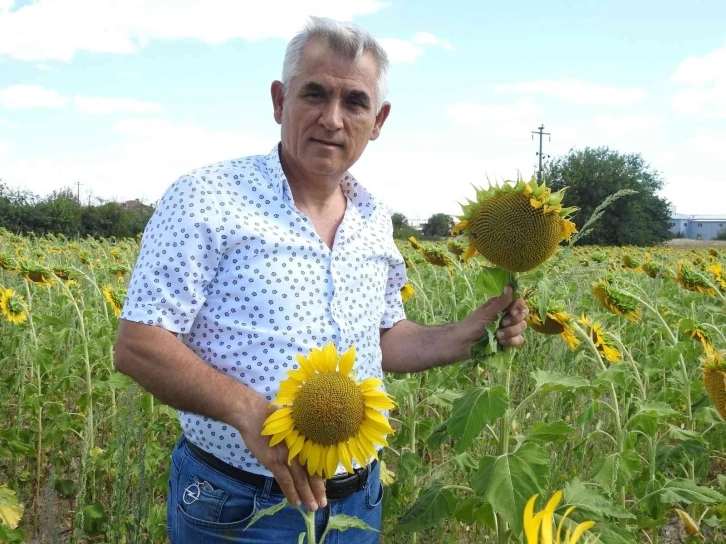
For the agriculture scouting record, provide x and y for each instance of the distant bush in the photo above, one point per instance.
(721, 234)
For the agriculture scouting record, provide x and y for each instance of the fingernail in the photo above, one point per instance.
(313, 506)
(507, 289)
(500, 334)
(505, 322)
(324, 502)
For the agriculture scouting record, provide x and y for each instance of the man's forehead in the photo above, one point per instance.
(323, 66)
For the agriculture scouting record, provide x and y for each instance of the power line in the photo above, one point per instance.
(541, 133)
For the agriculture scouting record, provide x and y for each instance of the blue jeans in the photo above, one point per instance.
(218, 508)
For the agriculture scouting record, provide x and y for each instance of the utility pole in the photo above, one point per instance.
(541, 133)
(79, 193)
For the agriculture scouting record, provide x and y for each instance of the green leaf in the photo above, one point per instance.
(438, 436)
(473, 411)
(589, 501)
(656, 409)
(341, 522)
(553, 381)
(473, 510)
(267, 512)
(548, 432)
(437, 502)
(491, 281)
(118, 381)
(689, 492)
(408, 464)
(721, 480)
(508, 481)
(301, 538)
(617, 469)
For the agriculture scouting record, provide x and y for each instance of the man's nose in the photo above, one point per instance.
(332, 116)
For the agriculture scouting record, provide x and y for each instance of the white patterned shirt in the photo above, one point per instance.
(229, 264)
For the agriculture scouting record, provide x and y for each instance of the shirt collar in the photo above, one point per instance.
(361, 199)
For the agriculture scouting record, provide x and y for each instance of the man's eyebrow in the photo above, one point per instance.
(311, 86)
(362, 96)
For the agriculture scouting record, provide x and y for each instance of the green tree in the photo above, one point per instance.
(439, 224)
(721, 235)
(591, 175)
(399, 221)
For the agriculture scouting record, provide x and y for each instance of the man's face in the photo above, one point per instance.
(328, 114)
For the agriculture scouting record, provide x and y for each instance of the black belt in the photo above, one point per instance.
(337, 487)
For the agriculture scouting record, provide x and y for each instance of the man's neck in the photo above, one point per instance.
(313, 195)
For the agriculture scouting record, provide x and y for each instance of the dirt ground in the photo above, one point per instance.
(689, 243)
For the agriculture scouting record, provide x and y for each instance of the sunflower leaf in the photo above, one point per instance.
(553, 381)
(547, 433)
(341, 522)
(592, 504)
(437, 502)
(10, 509)
(491, 281)
(689, 492)
(508, 481)
(473, 411)
(267, 512)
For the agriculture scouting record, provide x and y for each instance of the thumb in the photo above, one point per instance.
(500, 303)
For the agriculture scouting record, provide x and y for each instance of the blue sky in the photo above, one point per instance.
(126, 96)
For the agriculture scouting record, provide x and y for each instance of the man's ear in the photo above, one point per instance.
(277, 91)
(380, 119)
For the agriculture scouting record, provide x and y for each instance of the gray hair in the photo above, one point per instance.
(344, 38)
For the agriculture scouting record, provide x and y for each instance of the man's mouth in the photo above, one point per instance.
(326, 142)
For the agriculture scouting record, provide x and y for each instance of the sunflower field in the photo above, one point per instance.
(608, 423)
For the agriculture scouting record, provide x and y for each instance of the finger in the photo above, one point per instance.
(287, 484)
(514, 342)
(511, 331)
(317, 484)
(302, 485)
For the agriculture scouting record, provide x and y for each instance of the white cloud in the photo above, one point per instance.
(44, 67)
(104, 105)
(577, 91)
(512, 120)
(59, 29)
(400, 50)
(4, 148)
(627, 124)
(426, 38)
(16, 97)
(6, 123)
(705, 94)
(6, 5)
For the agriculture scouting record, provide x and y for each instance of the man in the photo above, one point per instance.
(249, 262)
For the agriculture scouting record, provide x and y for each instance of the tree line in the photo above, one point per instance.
(23, 212)
(591, 175)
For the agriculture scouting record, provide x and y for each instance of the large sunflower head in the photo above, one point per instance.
(7, 262)
(601, 339)
(12, 307)
(326, 417)
(456, 248)
(714, 379)
(654, 269)
(616, 301)
(414, 243)
(517, 226)
(115, 298)
(692, 280)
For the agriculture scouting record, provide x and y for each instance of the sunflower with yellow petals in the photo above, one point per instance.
(12, 307)
(616, 301)
(517, 226)
(557, 321)
(326, 417)
(407, 291)
(691, 280)
(115, 298)
(601, 340)
(538, 527)
(714, 379)
(717, 270)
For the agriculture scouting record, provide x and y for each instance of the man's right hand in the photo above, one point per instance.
(298, 487)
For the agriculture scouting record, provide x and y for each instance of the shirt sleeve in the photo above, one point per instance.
(179, 255)
(397, 278)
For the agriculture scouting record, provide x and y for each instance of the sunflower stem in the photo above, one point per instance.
(503, 444)
(412, 446)
(310, 524)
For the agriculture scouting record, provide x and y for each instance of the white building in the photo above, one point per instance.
(698, 227)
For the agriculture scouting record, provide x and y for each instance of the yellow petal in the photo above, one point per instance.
(295, 448)
(314, 458)
(345, 364)
(470, 252)
(366, 447)
(547, 514)
(279, 426)
(305, 365)
(531, 521)
(369, 383)
(305, 452)
(580, 530)
(279, 437)
(298, 374)
(373, 436)
(378, 427)
(291, 437)
(346, 458)
(536, 204)
(283, 400)
(356, 452)
(331, 461)
(562, 522)
(328, 360)
(378, 400)
(527, 190)
(459, 227)
(278, 414)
